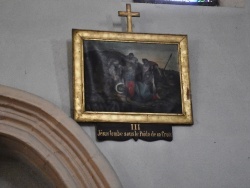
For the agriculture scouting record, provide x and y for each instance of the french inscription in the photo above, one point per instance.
(123, 132)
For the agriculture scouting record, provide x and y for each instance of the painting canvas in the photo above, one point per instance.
(129, 77)
(132, 77)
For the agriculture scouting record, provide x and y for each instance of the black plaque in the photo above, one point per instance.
(123, 132)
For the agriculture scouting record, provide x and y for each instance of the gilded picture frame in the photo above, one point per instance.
(131, 78)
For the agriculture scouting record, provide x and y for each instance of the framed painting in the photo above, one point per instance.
(131, 78)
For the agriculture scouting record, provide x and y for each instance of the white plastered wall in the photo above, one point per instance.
(232, 3)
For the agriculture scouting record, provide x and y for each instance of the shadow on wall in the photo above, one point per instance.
(17, 171)
(62, 54)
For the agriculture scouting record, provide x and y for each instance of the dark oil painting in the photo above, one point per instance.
(131, 77)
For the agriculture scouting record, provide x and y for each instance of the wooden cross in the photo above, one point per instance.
(129, 16)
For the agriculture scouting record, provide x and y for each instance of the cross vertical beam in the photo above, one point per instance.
(129, 16)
